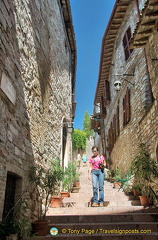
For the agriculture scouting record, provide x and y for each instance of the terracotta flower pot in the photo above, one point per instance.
(40, 228)
(111, 180)
(56, 202)
(135, 192)
(65, 194)
(75, 189)
(144, 200)
(76, 184)
(117, 185)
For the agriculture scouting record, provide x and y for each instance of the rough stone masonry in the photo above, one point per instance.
(35, 87)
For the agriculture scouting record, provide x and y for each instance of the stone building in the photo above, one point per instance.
(127, 91)
(37, 90)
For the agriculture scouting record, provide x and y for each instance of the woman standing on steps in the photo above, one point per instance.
(97, 164)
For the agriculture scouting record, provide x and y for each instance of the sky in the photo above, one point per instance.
(90, 18)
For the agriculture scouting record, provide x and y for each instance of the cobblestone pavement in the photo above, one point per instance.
(115, 201)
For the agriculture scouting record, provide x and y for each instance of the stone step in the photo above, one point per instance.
(124, 203)
(121, 202)
(140, 226)
(153, 236)
(115, 194)
(120, 213)
(103, 236)
(128, 217)
(84, 210)
(96, 227)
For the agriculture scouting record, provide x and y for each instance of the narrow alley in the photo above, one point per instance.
(77, 75)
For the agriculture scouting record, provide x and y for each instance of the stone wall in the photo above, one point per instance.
(149, 124)
(89, 145)
(35, 90)
(142, 108)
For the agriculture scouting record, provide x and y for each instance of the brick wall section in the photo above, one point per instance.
(35, 56)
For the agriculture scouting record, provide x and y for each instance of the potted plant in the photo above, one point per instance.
(46, 184)
(67, 181)
(116, 178)
(109, 161)
(136, 189)
(145, 171)
(76, 182)
(9, 229)
(75, 178)
(111, 176)
(15, 225)
(108, 148)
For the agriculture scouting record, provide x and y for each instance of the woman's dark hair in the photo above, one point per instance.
(94, 148)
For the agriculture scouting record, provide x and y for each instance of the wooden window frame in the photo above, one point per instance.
(126, 43)
(102, 108)
(117, 121)
(106, 93)
(126, 108)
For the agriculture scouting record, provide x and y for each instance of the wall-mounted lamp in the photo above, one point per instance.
(118, 83)
(69, 126)
(70, 129)
(96, 117)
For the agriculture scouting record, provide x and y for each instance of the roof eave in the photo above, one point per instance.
(113, 26)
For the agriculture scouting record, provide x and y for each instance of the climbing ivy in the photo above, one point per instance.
(79, 139)
(87, 125)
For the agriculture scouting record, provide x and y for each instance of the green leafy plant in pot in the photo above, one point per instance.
(145, 171)
(46, 183)
(67, 180)
(15, 225)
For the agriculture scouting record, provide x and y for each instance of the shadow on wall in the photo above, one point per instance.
(41, 40)
(16, 153)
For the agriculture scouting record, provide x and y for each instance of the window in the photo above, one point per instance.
(126, 108)
(114, 130)
(102, 108)
(106, 93)
(126, 43)
(117, 122)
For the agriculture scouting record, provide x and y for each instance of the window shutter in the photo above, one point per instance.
(124, 111)
(112, 135)
(114, 128)
(117, 122)
(109, 139)
(128, 112)
(106, 93)
(126, 43)
(102, 108)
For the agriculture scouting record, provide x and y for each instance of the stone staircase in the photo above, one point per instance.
(131, 226)
(122, 217)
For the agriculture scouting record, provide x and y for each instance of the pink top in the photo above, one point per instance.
(95, 161)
